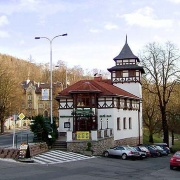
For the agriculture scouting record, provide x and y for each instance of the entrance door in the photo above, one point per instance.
(83, 124)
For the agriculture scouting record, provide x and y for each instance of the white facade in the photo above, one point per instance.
(133, 88)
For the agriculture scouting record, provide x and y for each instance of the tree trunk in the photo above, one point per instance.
(165, 128)
(151, 140)
(2, 126)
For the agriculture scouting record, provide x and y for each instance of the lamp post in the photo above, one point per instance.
(50, 41)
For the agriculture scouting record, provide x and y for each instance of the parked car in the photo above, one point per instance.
(123, 151)
(142, 148)
(141, 152)
(175, 160)
(153, 151)
(161, 151)
(164, 146)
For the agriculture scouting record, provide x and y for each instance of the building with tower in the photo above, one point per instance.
(105, 112)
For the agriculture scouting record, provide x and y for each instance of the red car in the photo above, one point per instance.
(175, 160)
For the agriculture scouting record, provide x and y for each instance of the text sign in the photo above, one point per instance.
(82, 135)
(66, 124)
(45, 94)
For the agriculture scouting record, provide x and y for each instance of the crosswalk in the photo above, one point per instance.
(57, 156)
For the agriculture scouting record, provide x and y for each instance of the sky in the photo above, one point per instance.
(96, 29)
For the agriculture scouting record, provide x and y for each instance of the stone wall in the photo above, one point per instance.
(9, 153)
(128, 141)
(97, 146)
(35, 149)
(100, 145)
(38, 148)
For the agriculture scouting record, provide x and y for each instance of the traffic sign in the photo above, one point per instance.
(21, 116)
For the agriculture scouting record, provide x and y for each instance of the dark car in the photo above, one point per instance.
(164, 146)
(153, 151)
(175, 160)
(141, 152)
(160, 150)
(144, 149)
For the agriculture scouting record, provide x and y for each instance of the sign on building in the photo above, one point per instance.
(45, 94)
(82, 135)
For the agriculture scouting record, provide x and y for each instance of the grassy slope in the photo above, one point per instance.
(157, 139)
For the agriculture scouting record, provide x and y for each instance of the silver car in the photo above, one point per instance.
(123, 151)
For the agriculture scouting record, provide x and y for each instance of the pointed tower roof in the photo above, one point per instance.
(126, 53)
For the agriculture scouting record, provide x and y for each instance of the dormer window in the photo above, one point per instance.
(85, 100)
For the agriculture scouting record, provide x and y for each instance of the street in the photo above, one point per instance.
(24, 135)
(98, 168)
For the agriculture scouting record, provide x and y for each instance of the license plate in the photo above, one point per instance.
(177, 159)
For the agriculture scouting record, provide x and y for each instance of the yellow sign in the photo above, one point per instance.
(82, 135)
(21, 116)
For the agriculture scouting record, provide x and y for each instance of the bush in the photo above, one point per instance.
(89, 145)
(42, 129)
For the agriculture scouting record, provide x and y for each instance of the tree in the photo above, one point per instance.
(161, 71)
(9, 93)
(173, 113)
(151, 113)
(42, 129)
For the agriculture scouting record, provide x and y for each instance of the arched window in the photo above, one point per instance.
(45, 113)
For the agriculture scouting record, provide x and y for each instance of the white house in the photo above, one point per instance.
(106, 112)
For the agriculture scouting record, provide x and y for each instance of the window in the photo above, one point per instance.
(130, 104)
(124, 123)
(132, 73)
(130, 123)
(86, 100)
(29, 97)
(119, 74)
(30, 105)
(125, 103)
(118, 123)
(118, 103)
(40, 105)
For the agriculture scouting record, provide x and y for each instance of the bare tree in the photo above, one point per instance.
(161, 70)
(151, 113)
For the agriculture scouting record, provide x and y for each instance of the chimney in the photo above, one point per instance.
(98, 77)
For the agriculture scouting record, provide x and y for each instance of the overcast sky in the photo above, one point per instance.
(96, 28)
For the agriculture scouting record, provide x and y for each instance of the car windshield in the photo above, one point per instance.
(128, 148)
(158, 147)
(133, 148)
(177, 154)
(143, 148)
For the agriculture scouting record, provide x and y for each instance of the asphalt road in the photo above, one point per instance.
(99, 168)
(6, 139)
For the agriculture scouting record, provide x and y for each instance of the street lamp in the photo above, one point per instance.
(50, 41)
(65, 75)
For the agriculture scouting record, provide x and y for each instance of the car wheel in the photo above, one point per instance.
(171, 167)
(106, 154)
(124, 156)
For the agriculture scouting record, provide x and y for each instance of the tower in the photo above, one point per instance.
(126, 74)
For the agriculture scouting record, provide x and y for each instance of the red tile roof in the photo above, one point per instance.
(103, 87)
